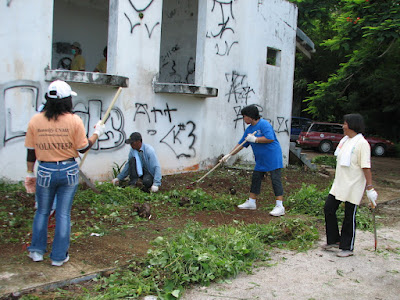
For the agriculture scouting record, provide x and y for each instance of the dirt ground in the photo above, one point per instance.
(318, 274)
(96, 254)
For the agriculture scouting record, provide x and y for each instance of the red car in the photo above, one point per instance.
(326, 136)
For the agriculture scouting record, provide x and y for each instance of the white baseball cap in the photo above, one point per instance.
(60, 89)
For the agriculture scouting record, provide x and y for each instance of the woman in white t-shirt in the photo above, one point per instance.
(352, 177)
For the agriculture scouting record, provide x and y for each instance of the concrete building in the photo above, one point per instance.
(186, 67)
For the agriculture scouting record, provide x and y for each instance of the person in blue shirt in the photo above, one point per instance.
(268, 155)
(142, 163)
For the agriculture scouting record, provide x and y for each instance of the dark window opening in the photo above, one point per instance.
(178, 41)
(84, 22)
(273, 56)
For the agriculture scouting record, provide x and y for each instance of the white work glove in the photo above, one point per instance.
(154, 189)
(372, 196)
(251, 138)
(30, 182)
(99, 129)
(225, 158)
(115, 181)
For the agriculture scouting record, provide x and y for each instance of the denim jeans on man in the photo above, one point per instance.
(61, 180)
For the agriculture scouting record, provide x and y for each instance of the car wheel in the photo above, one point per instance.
(325, 146)
(379, 150)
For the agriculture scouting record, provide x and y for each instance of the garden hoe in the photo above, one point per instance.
(218, 164)
(83, 176)
(373, 206)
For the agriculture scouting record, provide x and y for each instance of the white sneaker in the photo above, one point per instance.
(248, 205)
(59, 263)
(277, 211)
(36, 256)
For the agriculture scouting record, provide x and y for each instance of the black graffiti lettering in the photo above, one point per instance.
(227, 48)
(141, 9)
(192, 136)
(141, 109)
(223, 24)
(168, 111)
(173, 139)
(239, 117)
(130, 22)
(238, 90)
(283, 125)
(151, 31)
(155, 111)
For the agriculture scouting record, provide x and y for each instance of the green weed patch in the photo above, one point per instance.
(200, 255)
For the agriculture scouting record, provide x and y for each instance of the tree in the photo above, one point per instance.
(357, 64)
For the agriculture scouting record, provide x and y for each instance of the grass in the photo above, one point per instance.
(193, 254)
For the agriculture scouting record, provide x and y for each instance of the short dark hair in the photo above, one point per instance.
(355, 122)
(136, 136)
(251, 111)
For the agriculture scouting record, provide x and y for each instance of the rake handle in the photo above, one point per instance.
(218, 164)
(103, 120)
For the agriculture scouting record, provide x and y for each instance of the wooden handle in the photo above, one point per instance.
(217, 165)
(103, 120)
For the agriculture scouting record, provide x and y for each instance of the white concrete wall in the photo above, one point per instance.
(25, 36)
(187, 132)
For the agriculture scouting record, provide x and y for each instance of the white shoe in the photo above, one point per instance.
(277, 211)
(36, 256)
(248, 205)
(59, 263)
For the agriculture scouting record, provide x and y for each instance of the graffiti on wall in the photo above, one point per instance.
(239, 89)
(168, 63)
(179, 136)
(239, 93)
(280, 125)
(20, 100)
(136, 16)
(223, 31)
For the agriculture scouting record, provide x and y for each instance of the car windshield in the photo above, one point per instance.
(326, 128)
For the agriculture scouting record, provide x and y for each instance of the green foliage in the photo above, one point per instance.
(202, 255)
(199, 200)
(117, 169)
(309, 201)
(14, 209)
(328, 160)
(355, 68)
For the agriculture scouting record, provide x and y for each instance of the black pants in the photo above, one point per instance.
(275, 179)
(348, 234)
(147, 178)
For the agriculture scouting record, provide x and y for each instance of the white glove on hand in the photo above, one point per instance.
(225, 158)
(99, 129)
(251, 138)
(115, 181)
(372, 196)
(154, 189)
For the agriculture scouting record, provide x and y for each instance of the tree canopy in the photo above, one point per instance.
(357, 64)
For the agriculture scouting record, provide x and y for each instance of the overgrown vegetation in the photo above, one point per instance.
(310, 201)
(328, 160)
(178, 258)
(355, 64)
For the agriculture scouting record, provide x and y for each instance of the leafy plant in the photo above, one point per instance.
(309, 201)
(328, 160)
(116, 170)
(200, 255)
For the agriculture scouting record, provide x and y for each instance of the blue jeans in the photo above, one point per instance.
(60, 180)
